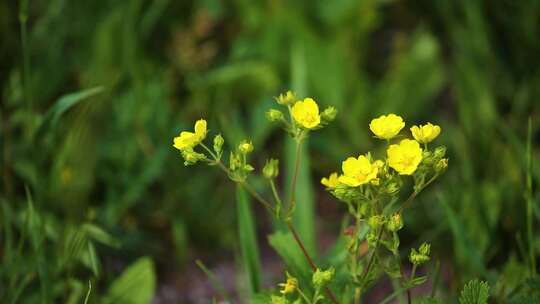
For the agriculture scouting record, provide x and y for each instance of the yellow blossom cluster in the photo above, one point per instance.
(403, 157)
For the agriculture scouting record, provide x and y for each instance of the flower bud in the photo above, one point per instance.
(191, 157)
(375, 221)
(329, 114)
(421, 256)
(234, 162)
(392, 188)
(371, 238)
(271, 168)
(441, 165)
(395, 222)
(440, 152)
(286, 99)
(322, 277)
(274, 115)
(218, 143)
(245, 147)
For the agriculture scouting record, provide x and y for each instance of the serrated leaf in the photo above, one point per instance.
(136, 285)
(475, 292)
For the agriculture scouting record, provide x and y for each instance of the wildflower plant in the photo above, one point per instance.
(370, 186)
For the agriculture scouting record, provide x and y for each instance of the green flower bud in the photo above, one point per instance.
(424, 249)
(375, 221)
(392, 188)
(395, 222)
(245, 147)
(218, 143)
(274, 115)
(288, 98)
(191, 157)
(421, 256)
(371, 238)
(329, 114)
(322, 277)
(440, 152)
(441, 165)
(234, 162)
(271, 168)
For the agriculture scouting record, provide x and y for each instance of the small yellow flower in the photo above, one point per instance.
(289, 286)
(331, 182)
(387, 126)
(188, 140)
(405, 157)
(306, 113)
(357, 171)
(426, 133)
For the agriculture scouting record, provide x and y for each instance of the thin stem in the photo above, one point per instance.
(415, 193)
(296, 170)
(372, 257)
(309, 259)
(274, 191)
(303, 295)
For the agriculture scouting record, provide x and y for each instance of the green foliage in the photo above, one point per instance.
(248, 240)
(475, 292)
(136, 285)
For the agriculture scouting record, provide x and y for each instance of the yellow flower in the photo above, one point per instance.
(357, 171)
(405, 157)
(289, 286)
(306, 113)
(426, 133)
(386, 126)
(188, 140)
(331, 182)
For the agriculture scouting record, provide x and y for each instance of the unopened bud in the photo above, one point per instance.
(218, 143)
(271, 168)
(286, 99)
(274, 115)
(329, 114)
(441, 165)
(395, 222)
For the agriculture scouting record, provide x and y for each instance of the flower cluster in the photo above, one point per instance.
(370, 187)
(304, 114)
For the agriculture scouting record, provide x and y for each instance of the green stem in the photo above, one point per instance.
(276, 197)
(372, 257)
(295, 175)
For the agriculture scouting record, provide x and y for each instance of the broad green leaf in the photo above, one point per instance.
(136, 285)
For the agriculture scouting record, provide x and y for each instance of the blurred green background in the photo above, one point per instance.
(94, 91)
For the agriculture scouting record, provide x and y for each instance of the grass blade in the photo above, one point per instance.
(304, 215)
(248, 240)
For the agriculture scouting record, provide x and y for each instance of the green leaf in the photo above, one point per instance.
(62, 105)
(284, 244)
(475, 292)
(136, 285)
(96, 233)
(248, 240)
